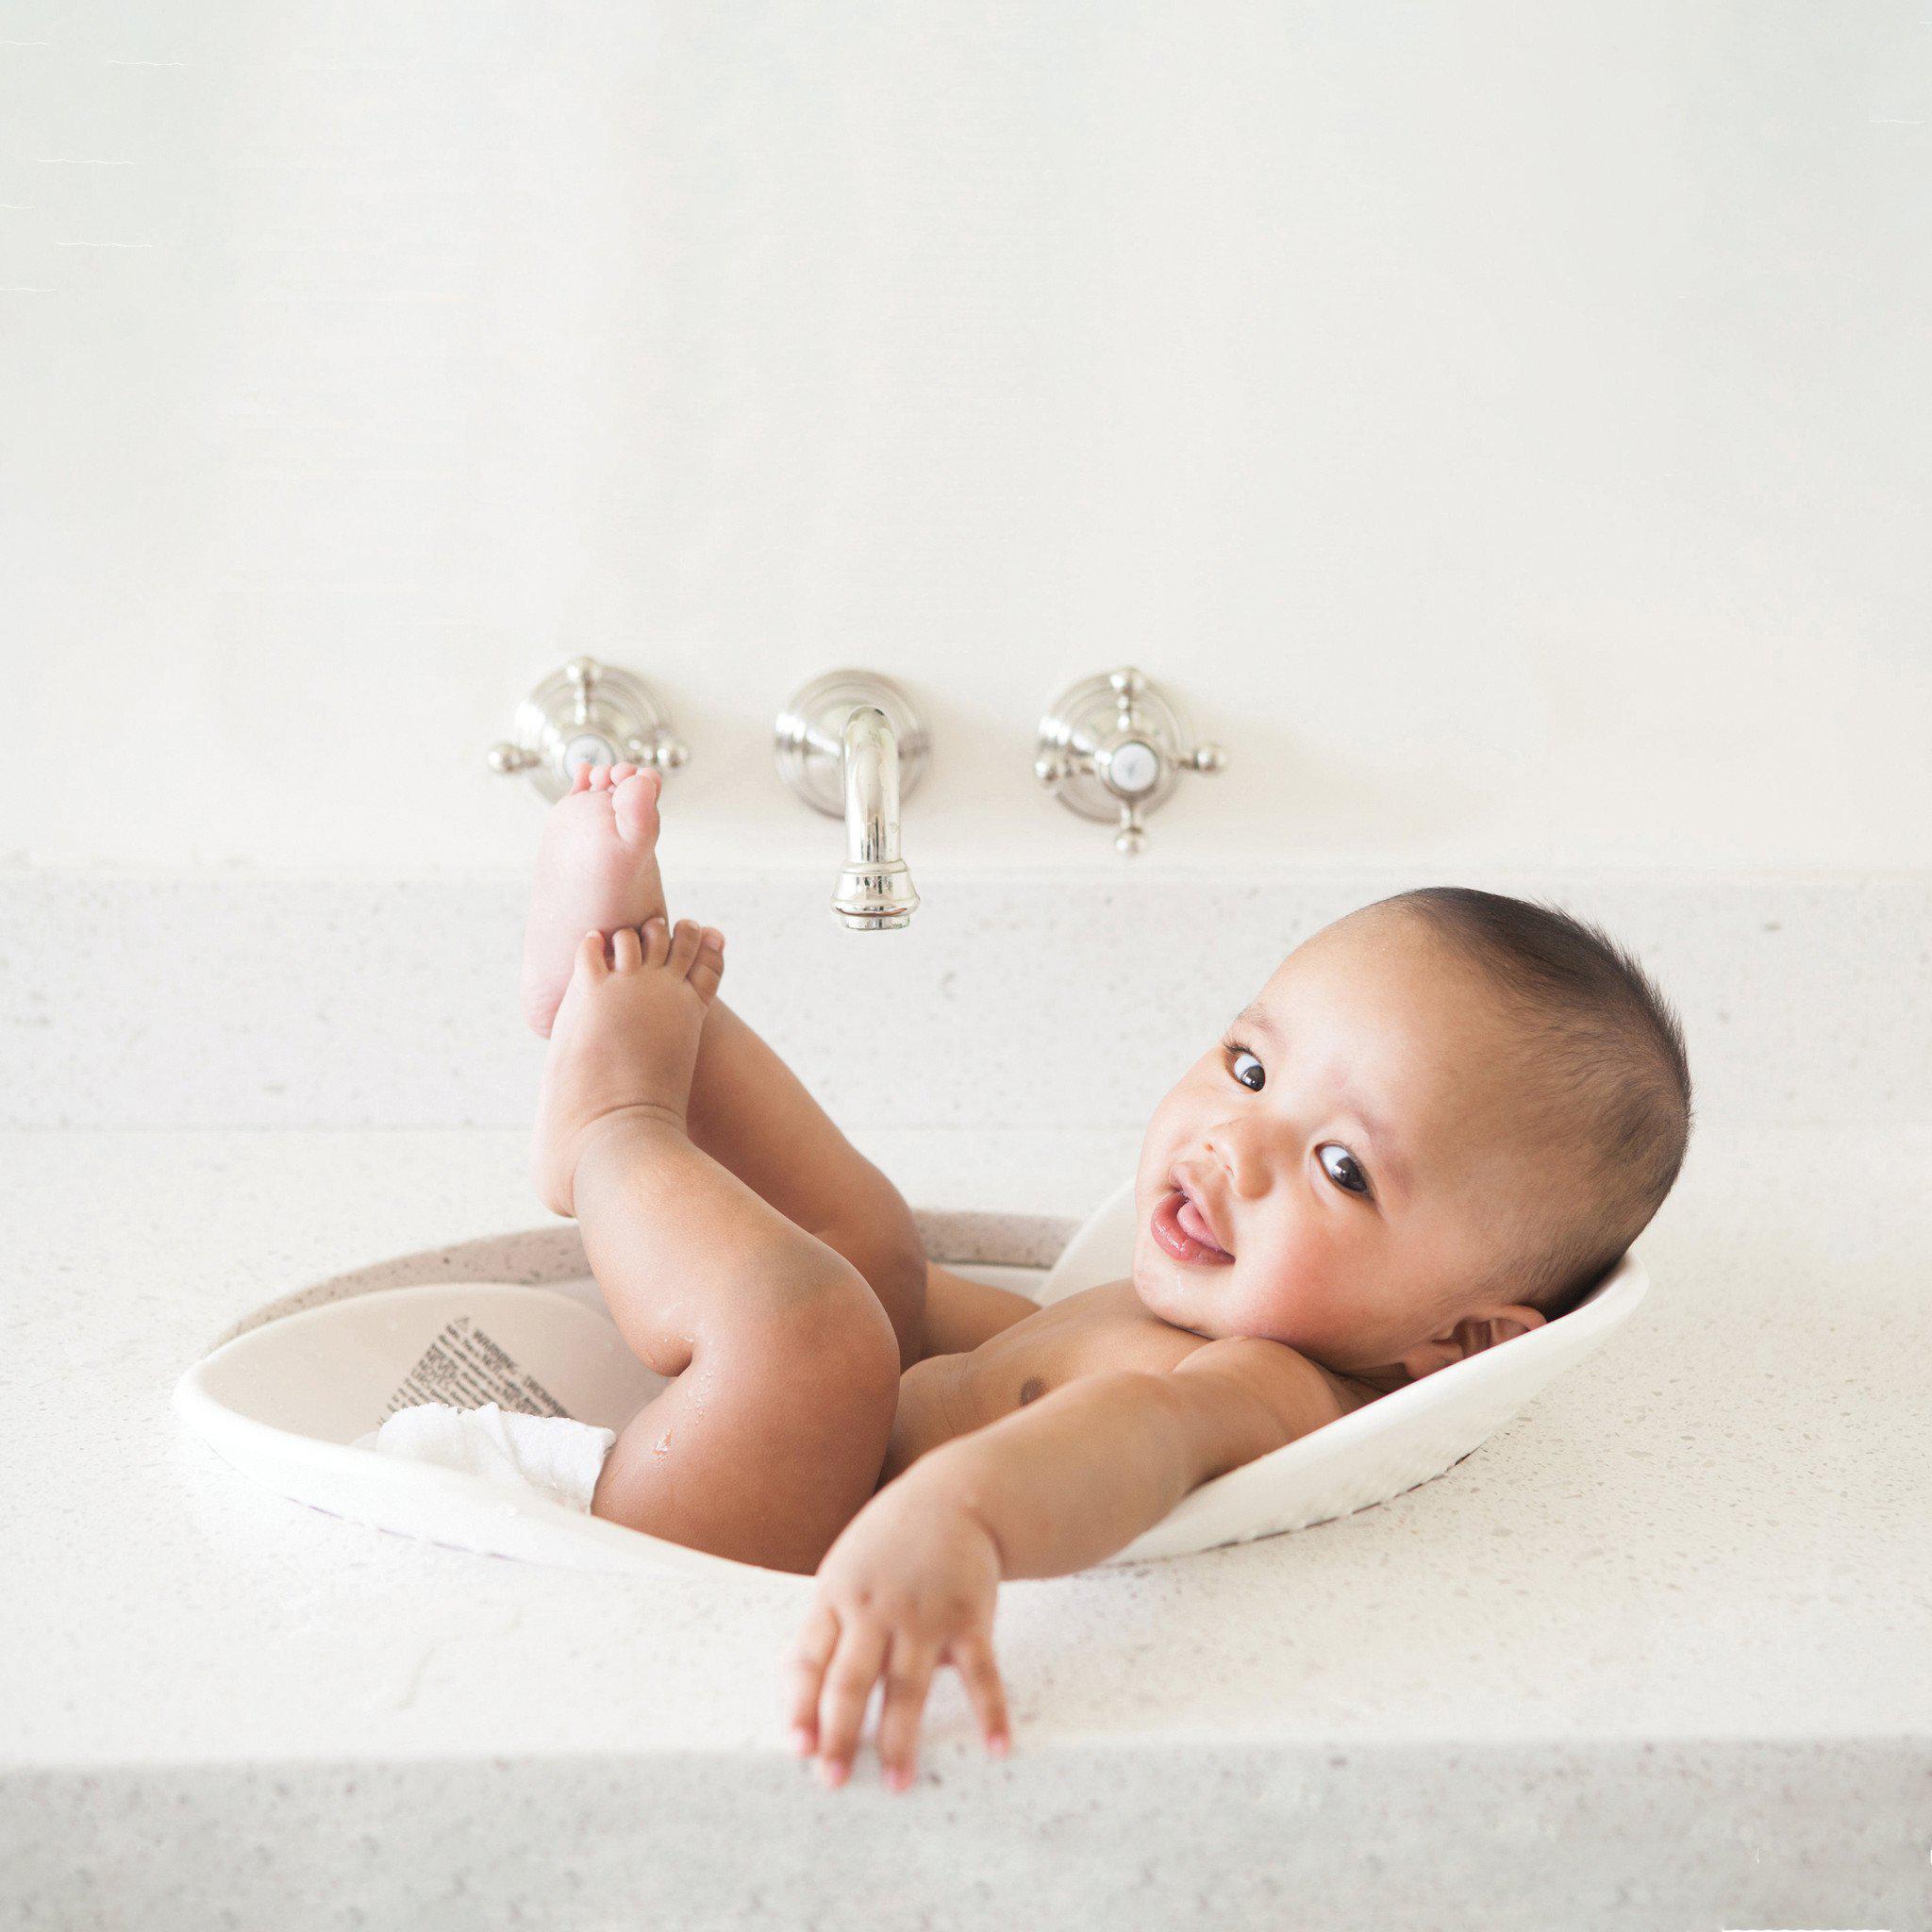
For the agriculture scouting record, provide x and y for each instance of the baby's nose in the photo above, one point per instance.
(1234, 1147)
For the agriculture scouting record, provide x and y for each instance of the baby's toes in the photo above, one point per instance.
(684, 947)
(634, 806)
(590, 960)
(657, 937)
(626, 952)
(600, 777)
(708, 968)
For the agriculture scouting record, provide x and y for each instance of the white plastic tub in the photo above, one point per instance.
(285, 1399)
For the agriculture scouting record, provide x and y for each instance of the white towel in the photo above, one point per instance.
(549, 1456)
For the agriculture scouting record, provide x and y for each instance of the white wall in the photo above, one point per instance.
(1506, 424)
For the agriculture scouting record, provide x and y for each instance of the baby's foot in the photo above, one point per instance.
(624, 1041)
(597, 867)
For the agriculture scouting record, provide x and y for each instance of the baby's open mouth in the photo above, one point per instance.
(1180, 1228)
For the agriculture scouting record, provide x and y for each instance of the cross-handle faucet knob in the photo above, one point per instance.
(587, 713)
(661, 751)
(1114, 747)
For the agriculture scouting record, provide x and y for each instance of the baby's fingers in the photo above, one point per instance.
(842, 1704)
(809, 1656)
(908, 1677)
(971, 1656)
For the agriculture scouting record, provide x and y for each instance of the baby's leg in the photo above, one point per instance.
(748, 1110)
(772, 1437)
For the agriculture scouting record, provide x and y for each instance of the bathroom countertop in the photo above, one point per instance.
(1661, 1644)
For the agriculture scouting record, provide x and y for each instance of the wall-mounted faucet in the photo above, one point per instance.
(851, 743)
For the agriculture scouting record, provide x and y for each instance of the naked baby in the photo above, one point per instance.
(1439, 1122)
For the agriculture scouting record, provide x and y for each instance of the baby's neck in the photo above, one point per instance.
(1359, 1390)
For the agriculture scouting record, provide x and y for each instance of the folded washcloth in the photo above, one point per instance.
(551, 1455)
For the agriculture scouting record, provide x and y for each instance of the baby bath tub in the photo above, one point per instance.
(285, 1399)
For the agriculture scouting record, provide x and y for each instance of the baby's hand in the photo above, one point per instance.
(910, 1585)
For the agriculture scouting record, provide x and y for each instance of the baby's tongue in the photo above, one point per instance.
(1195, 1227)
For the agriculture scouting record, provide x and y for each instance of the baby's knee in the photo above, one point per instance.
(823, 1375)
(834, 1336)
(813, 1340)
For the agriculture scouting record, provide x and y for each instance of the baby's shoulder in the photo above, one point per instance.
(1110, 1327)
(1296, 1390)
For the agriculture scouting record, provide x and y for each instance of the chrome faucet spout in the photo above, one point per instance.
(874, 891)
(851, 743)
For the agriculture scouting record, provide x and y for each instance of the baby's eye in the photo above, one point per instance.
(1345, 1172)
(1247, 1070)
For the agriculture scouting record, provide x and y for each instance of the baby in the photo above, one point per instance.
(1438, 1126)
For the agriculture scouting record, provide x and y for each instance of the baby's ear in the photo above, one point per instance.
(1470, 1336)
(1500, 1324)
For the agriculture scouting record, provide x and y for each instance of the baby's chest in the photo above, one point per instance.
(1091, 1334)
(1104, 1334)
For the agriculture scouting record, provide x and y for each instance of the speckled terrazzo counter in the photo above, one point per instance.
(1654, 1656)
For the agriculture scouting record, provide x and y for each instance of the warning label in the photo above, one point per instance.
(465, 1369)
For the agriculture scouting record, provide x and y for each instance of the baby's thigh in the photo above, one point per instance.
(756, 1453)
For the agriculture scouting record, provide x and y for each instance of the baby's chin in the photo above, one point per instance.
(1218, 1306)
(1153, 1276)
(1162, 1290)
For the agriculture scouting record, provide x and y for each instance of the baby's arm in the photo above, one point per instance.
(960, 1314)
(1081, 1473)
(911, 1582)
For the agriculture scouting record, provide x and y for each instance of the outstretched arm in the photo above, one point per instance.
(1079, 1475)
(911, 1583)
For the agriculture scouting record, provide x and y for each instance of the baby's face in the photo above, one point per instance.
(1337, 1173)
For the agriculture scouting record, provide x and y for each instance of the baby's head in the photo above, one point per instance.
(1442, 1123)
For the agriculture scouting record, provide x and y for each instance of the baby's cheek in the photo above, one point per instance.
(1159, 1146)
(1291, 1292)
(1266, 1303)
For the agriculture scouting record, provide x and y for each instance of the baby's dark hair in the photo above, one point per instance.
(1609, 1080)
